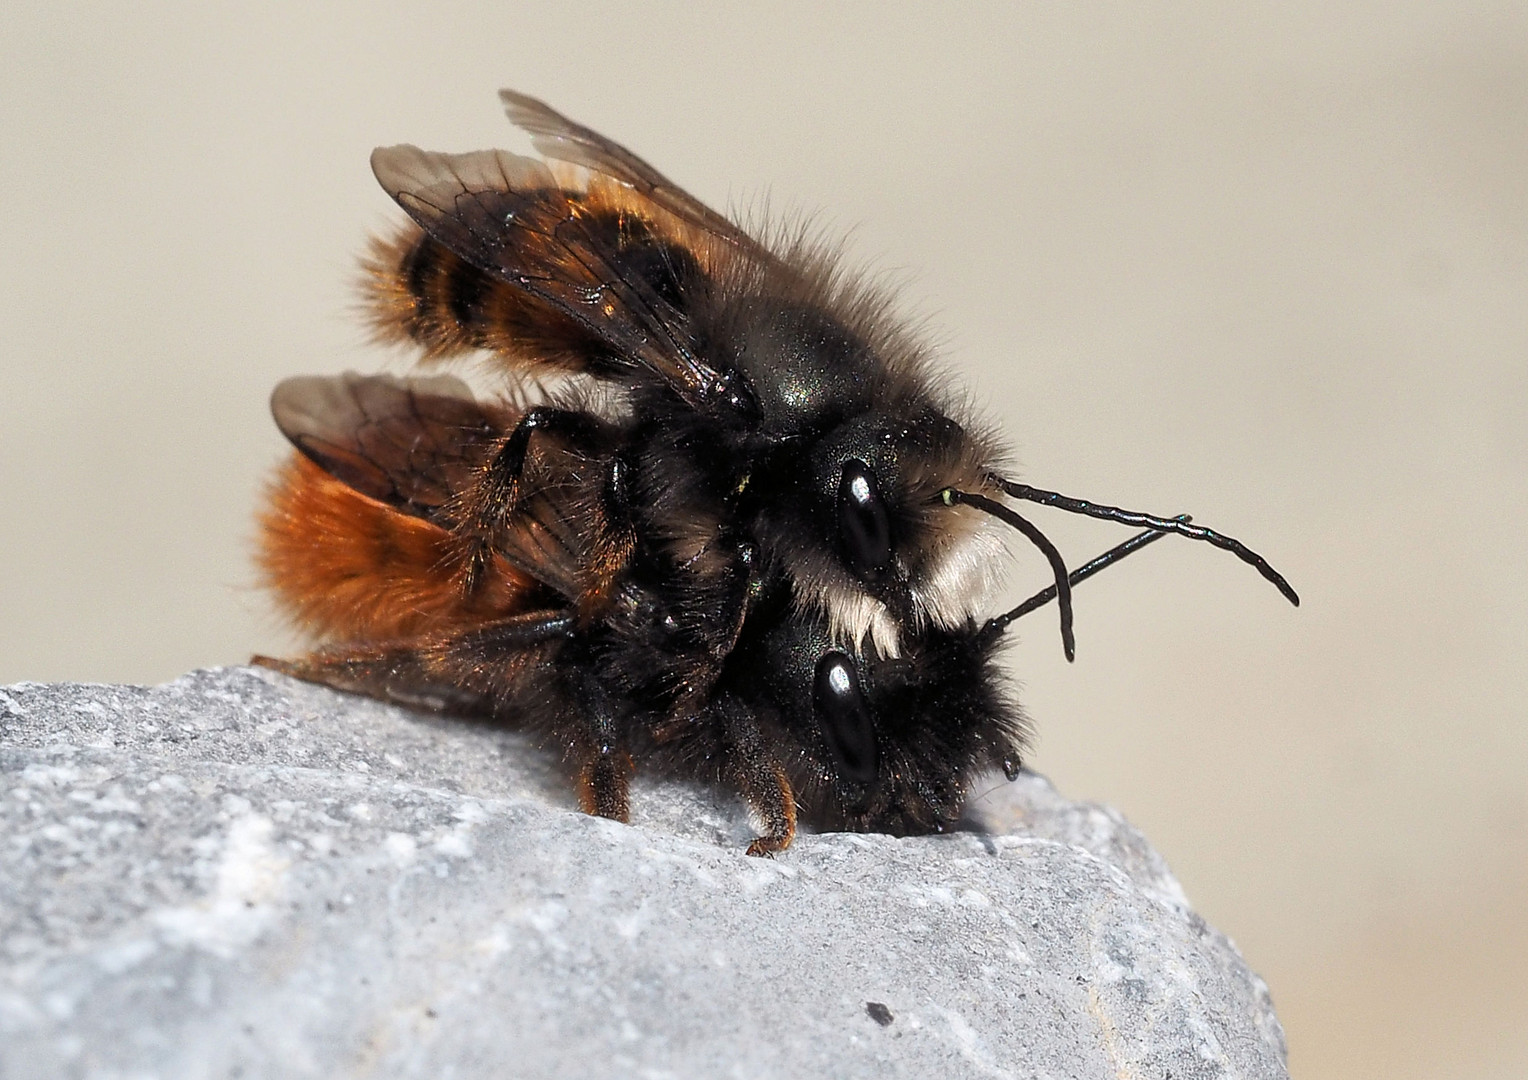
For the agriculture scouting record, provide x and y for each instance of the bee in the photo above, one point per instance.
(357, 544)
(749, 536)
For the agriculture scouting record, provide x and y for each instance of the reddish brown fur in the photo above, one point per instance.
(345, 567)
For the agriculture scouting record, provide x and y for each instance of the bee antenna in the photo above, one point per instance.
(1177, 525)
(1063, 588)
(995, 626)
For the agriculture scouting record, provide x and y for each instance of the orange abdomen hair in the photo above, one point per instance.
(345, 567)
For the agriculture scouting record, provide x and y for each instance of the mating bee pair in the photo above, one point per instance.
(742, 538)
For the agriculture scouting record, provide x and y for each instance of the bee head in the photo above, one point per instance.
(846, 457)
(886, 744)
(864, 538)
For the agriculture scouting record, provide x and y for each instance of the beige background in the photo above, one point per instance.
(1264, 263)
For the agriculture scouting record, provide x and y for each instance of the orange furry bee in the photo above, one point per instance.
(746, 539)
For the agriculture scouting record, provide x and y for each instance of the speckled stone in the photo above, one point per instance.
(237, 875)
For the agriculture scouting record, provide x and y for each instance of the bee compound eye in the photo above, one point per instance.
(844, 717)
(864, 527)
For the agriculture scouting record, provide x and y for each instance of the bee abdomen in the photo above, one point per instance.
(345, 567)
(418, 292)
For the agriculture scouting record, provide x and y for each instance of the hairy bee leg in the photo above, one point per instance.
(769, 794)
(604, 765)
(497, 491)
(613, 540)
(706, 667)
(748, 572)
(604, 786)
(761, 780)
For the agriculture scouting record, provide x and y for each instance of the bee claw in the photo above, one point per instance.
(765, 847)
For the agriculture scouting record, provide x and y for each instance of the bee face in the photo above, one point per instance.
(857, 523)
(882, 743)
(846, 461)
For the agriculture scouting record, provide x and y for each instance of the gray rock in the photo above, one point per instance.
(235, 874)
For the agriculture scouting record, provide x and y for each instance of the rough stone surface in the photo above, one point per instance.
(237, 875)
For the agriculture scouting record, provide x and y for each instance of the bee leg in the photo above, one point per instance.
(723, 631)
(485, 505)
(771, 798)
(762, 781)
(604, 784)
(612, 539)
(747, 575)
(605, 767)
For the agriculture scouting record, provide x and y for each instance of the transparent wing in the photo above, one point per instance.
(408, 443)
(562, 139)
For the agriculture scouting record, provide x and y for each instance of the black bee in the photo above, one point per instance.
(749, 536)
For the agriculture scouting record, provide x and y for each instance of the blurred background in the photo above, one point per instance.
(1264, 263)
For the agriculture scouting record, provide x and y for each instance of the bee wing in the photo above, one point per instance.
(408, 443)
(561, 139)
(417, 444)
(506, 215)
